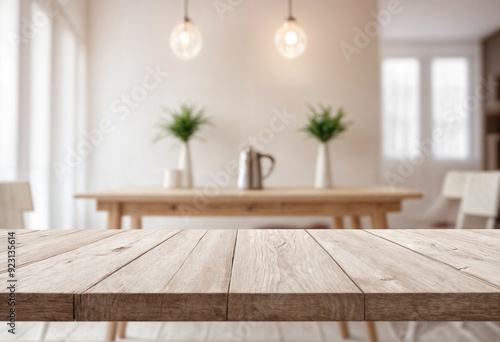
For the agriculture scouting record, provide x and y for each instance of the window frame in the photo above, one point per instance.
(425, 53)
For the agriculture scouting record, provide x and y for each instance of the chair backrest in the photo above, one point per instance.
(15, 199)
(454, 185)
(481, 197)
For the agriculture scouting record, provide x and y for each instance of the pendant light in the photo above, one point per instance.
(290, 40)
(186, 39)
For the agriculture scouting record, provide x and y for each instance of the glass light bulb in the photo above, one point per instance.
(290, 39)
(186, 40)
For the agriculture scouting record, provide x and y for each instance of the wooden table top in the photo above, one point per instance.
(245, 275)
(305, 194)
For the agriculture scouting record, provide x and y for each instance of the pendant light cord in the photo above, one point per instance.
(186, 14)
(290, 10)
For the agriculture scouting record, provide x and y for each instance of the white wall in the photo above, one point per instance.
(240, 79)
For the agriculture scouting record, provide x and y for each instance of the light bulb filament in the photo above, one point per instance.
(291, 38)
(184, 37)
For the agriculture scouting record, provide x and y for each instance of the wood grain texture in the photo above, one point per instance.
(273, 275)
(253, 208)
(27, 237)
(15, 199)
(192, 285)
(338, 194)
(40, 245)
(48, 286)
(400, 284)
(458, 248)
(285, 276)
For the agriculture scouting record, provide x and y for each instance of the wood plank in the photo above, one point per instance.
(400, 284)
(45, 244)
(493, 233)
(48, 286)
(459, 248)
(286, 276)
(27, 236)
(192, 285)
(304, 194)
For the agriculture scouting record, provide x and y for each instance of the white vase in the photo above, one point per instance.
(323, 175)
(185, 166)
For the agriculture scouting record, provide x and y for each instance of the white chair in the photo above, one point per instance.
(454, 184)
(481, 199)
(15, 199)
(444, 210)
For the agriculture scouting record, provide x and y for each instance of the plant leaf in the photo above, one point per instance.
(183, 124)
(322, 125)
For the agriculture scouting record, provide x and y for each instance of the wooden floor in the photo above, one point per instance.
(256, 331)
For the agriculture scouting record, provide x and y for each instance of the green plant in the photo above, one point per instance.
(183, 124)
(322, 125)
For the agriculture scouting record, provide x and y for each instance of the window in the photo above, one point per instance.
(41, 98)
(400, 107)
(425, 107)
(40, 119)
(449, 107)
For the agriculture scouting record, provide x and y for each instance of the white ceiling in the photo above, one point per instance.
(442, 20)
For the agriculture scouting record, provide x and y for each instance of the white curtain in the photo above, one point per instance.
(45, 72)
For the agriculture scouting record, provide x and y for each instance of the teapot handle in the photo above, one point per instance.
(272, 165)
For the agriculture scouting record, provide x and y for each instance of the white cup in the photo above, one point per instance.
(172, 179)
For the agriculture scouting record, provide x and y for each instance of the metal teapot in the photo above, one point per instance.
(250, 172)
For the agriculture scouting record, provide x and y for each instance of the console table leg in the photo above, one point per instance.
(379, 221)
(338, 222)
(356, 222)
(114, 222)
(122, 328)
(344, 330)
(135, 222)
(114, 216)
(371, 332)
(111, 331)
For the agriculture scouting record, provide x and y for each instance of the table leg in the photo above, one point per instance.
(111, 331)
(114, 222)
(338, 222)
(356, 222)
(136, 222)
(122, 328)
(379, 221)
(371, 331)
(344, 329)
(114, 216)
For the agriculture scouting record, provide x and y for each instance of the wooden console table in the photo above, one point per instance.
(337, 203)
